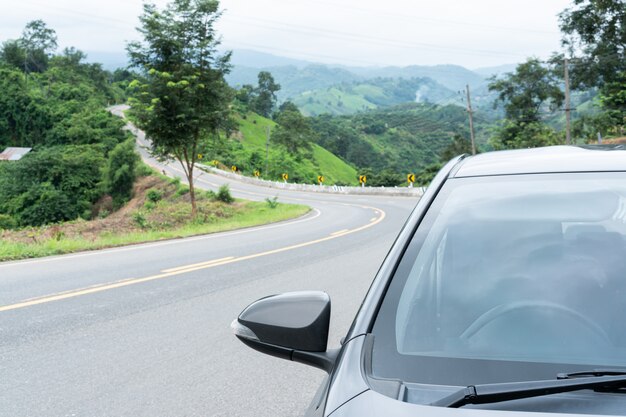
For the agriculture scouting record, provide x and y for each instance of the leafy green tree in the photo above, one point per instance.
(13, 53)
(265, 94)
(387, 177)
(288, 106)
(24, 114)
(39, 42)
(458, 146)
(613, 100)
(184, 97)
(120, 172)
(245, 95)
(293, 132)
(425, 177)
(91, 125)
(520, 135)
(526, 90)
(595, 30)
(52, 185)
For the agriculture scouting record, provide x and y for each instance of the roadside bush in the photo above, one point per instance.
(272, 202)
(7, 222)
(154, 195)
(143, 170)
(121, 173)
(223, 194)
(52, 185)
(140, 219)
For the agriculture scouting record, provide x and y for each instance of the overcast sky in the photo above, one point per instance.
(472, 33)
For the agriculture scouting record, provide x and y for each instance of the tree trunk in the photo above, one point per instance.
(192, 192)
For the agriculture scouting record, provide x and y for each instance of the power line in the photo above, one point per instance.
(332, 34)
(380, 13)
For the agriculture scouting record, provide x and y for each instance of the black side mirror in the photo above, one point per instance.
(291, 326)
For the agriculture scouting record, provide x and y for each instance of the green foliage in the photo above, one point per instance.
(154, 195)
(459, 146)
(52, 185)
(384, 178)
(613, 101)
(521, 135)
(223, 194)
(120, 173)
(425, 177)
(263, 99)
(272, 202)
(184, 96)
(140, 219)
(7, 222)
(31, 52)
(404, 138)
(294, 131)
(597, 30)
(525, 91)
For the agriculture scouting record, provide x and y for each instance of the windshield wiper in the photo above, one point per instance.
(593, 372)
(493, 393)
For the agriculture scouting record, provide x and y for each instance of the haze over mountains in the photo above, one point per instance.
(321, 88)
(336, 89)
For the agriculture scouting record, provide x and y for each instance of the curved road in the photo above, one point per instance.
(144, 330)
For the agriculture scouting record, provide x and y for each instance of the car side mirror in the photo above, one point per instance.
(291, 326)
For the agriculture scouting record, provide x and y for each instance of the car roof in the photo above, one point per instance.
(551, 159)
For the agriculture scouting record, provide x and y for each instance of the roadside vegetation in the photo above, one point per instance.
(159, 209)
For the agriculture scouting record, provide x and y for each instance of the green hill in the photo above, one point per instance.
(246, 149)
(350, 98)
(404, 138)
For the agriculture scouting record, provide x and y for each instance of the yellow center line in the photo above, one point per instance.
(178, 270)
(340, 232)
(200, 264)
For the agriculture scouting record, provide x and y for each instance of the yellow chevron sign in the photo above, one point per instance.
(320, 178)
(257, 173)
(410, 178)
(233, 168)
(285, 176)
(362, 179)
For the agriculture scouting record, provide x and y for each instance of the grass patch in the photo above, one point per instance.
(144, 220)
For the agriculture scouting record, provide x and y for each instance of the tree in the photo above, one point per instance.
(39, 42)
(520, 135)
(13, 53)
(120, 172)
(184, 97)
(458, 146)
(265, 94)
(294, 131)
(526, 90)
(596, 30)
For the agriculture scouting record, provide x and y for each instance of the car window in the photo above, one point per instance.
(514, 269)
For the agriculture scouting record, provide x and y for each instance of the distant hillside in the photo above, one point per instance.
(351, 98)
(453, 77)
(403, 138)
(256, 59)
(293, 80)
(318, 89)
(497, 70)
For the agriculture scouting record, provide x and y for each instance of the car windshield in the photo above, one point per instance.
(509, 278)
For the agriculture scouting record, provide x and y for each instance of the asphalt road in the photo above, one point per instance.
(144, 330)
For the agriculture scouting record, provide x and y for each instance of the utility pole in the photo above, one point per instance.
(568, 137)
(267, 149)
(471, 119)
